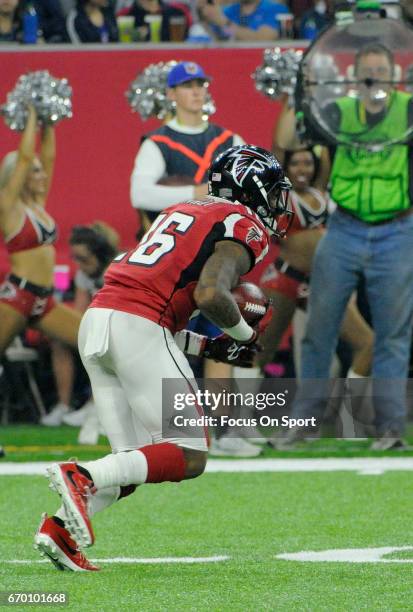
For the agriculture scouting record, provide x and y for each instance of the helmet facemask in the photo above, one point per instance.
(274, 208)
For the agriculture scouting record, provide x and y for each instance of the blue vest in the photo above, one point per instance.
(190, 155)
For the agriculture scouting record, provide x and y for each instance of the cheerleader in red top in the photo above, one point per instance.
(286, 280)
(26, 296)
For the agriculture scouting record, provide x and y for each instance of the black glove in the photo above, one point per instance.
(227, 350)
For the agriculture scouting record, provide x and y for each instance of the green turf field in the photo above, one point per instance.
(247, 518)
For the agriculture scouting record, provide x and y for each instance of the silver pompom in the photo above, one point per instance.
(278, 73)
(147, 93)
(51, 97)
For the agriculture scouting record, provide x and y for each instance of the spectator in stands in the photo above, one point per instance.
(92, 21)
(26, 295)
(50, 15)
(10, 21)
(249, 20)
(370, 235)
(51, 20)
(144, 10)
(318, 17)
(299, 7)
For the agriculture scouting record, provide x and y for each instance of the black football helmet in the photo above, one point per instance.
(254, 177)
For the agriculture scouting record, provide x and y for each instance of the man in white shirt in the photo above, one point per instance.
(172, 162)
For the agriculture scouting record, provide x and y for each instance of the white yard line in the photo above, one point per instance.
(341, 555)
(363, 466)
(131, 560)
(367, 465)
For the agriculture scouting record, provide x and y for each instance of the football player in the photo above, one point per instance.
(192, 256)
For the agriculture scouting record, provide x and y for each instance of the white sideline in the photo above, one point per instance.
(363, 466)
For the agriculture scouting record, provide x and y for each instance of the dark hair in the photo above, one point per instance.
(289, 154)
(95, 241)
(373, 49)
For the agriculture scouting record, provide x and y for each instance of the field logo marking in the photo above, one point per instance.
(348, 555)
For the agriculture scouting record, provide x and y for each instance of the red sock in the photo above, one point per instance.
(166, 461)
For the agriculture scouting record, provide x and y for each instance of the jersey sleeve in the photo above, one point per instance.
(249, 233)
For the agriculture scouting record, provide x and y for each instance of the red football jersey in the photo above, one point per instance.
(157, 279)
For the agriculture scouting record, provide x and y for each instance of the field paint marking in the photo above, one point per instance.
(29, 468)
(339, 555)
(132, 560)
(348, 555)
(363, 466)
(372, 472)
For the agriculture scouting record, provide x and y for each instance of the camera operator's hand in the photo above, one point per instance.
(227, 350)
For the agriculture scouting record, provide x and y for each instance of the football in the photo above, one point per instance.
(252, 302)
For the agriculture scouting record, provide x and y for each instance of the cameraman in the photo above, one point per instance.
(249, 20)
(370, 236)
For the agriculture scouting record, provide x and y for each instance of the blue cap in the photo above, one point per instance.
(186, 71)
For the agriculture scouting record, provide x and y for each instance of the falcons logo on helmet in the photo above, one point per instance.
(246, 162)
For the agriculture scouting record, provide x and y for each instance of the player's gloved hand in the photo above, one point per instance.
(227, 350)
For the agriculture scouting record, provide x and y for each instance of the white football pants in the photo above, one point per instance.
(126, 358)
